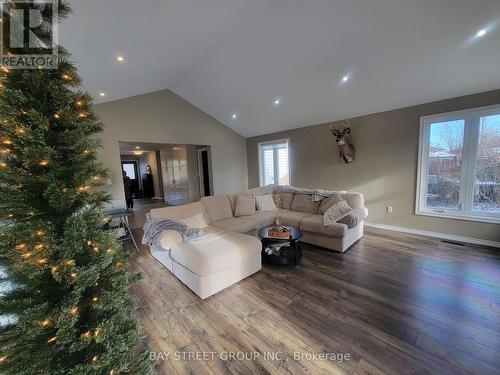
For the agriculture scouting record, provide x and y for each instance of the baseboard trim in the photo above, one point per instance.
(443, 236)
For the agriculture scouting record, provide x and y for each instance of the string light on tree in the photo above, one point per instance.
(50, 170)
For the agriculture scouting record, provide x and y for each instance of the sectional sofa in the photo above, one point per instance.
(229, 251)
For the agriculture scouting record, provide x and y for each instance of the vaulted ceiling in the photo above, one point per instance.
(237, 57)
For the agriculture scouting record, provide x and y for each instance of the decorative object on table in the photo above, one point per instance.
(346, 150)
(281, 250)
(278, 230)
(70, 306)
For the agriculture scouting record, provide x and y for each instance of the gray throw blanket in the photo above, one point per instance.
(154, 227)
(317, 194)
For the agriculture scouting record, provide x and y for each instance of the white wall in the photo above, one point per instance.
(164, 117)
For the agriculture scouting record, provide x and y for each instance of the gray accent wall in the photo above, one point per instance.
(385, 169)
(164, 117)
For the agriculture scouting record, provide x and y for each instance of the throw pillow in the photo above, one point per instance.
(287, 199)
(265, 203)
(326, 203)
(305, 203)
(169, 239)
(196, 222)
(278, 199)
(336, 212)
(354, 217)
(244, 206)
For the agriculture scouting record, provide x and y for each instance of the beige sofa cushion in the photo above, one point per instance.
(177, 212)
(218, 207)
(232, 198)
(304, 203)
(314, 224)
(264, 190)
(261, 219)
(326, 203)
(286, 200)
(244, 206)
(216, 251)
(355, 200)
(196, 221)
(287, 217)
(235, 224)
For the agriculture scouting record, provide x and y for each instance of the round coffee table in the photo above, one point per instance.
(282, 250)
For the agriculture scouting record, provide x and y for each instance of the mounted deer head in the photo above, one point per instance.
(345, 148)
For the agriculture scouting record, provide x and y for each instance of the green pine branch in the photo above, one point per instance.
(74, 313)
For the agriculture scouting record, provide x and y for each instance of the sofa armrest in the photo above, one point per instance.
(355, 200)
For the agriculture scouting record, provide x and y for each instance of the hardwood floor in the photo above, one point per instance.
(396, 303)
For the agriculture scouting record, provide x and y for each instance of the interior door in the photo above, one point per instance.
(130, 167)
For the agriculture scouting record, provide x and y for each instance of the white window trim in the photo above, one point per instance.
(464, 211)
(260, 144)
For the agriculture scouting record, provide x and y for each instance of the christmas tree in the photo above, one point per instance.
(70, 301)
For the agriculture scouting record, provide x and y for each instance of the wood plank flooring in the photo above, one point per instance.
(396, 303)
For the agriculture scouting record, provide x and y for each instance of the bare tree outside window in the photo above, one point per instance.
(445, 164)
(487, 176)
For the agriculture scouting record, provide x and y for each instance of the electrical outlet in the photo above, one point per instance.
(389, 209)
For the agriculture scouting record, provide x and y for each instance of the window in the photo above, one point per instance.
(129, 168)
(274, 165)
(459, 165)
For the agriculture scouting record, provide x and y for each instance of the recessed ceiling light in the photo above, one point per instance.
(346, 78)
(102, 94)
(120, 58)
(138, 152)
(277, 101)
(481, 33)
(235, 116)
(137, 146)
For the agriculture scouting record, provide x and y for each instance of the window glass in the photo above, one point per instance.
(129, 168)
(274, 165)
(487, 171)
(446, 141)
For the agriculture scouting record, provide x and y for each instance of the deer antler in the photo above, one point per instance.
(334, 131)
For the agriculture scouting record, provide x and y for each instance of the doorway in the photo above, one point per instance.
(204, 174)
(130, 167)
